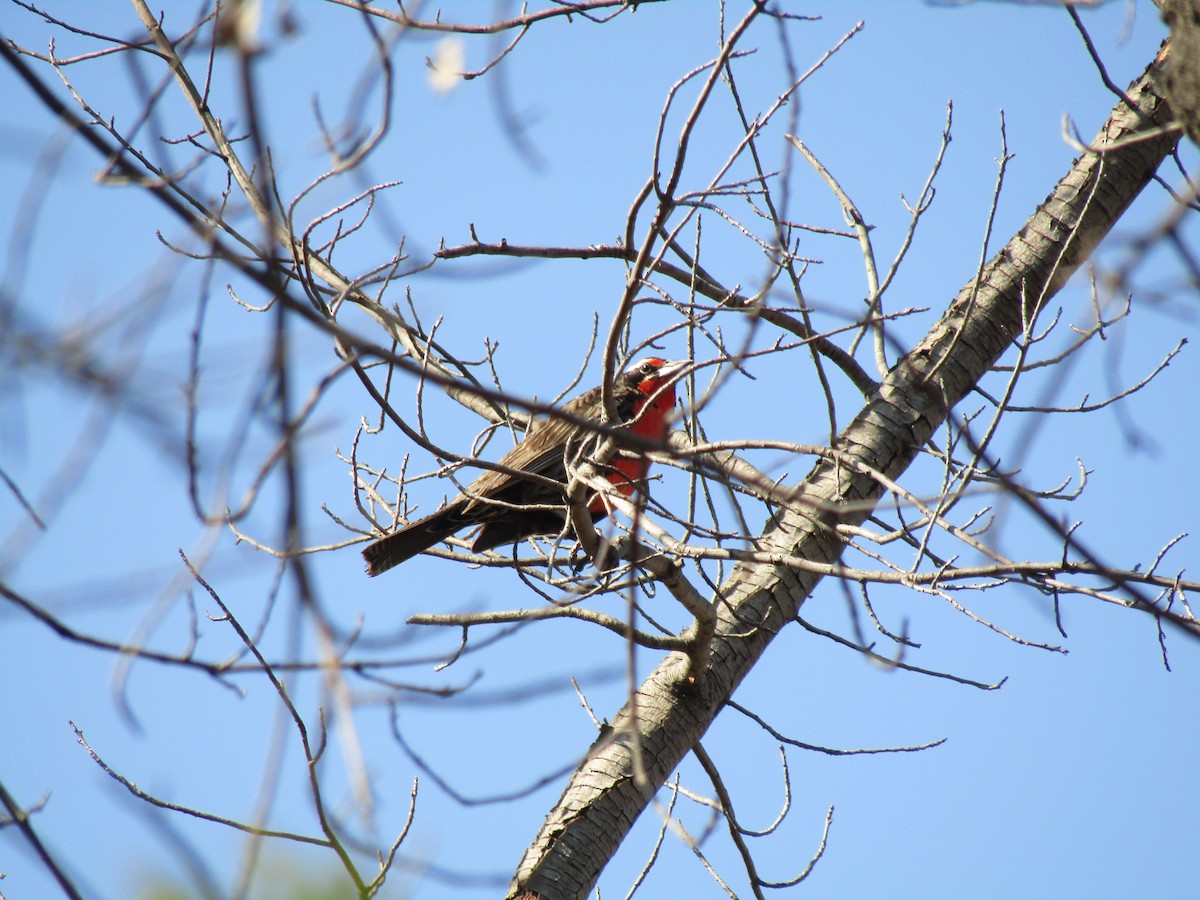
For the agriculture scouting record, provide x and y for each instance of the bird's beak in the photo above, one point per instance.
(672, 369)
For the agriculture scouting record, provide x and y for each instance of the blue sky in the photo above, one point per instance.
(1077, 778)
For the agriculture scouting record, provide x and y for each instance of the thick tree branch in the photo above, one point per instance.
(604, 797)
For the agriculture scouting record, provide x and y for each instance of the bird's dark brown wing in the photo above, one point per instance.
(541, 452)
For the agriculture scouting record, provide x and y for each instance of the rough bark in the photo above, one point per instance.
(1181, 85)
(603, 799)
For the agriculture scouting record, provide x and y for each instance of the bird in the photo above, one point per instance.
(511, 508)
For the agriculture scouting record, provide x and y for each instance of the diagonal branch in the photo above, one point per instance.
(604, 797)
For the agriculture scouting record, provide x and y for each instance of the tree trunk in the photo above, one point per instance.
(603, 799)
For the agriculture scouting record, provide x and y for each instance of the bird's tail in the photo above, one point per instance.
(412, 539)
